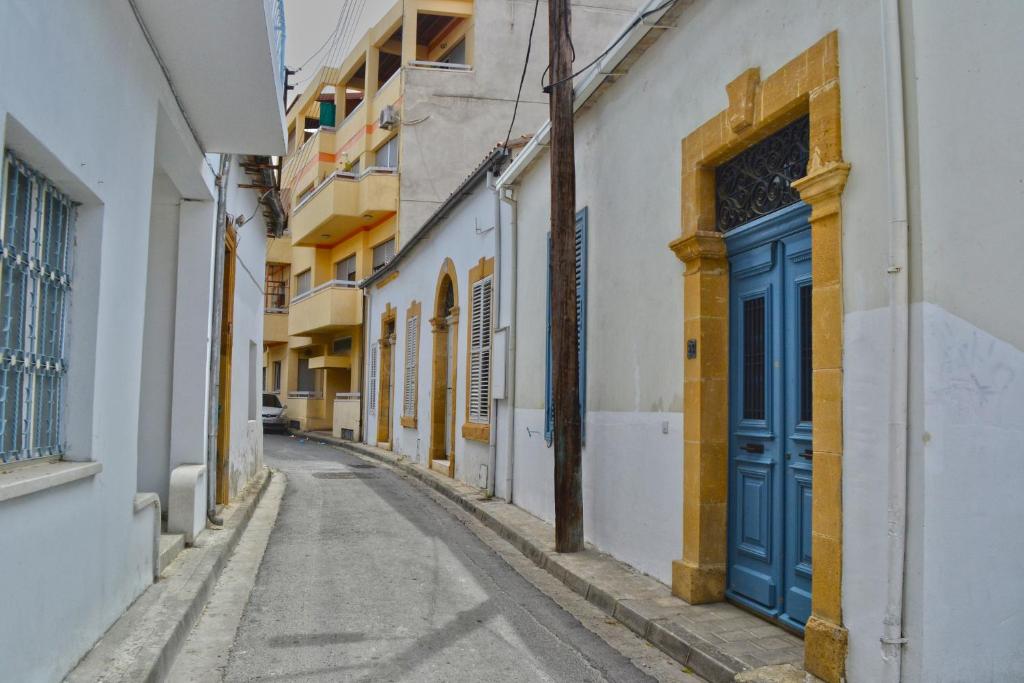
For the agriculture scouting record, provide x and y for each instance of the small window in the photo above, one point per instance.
(345, 269)
(277, 376)
(457, 55)
(306, 377)
(383, 253)
(276, 288)
(341, 346)
(480, 353)
(37, 233)
(303, 282)
(412, 333)
(387, 154)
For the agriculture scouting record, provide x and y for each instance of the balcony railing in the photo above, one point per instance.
(333, 284)
(347, 395)
(280, 35)
(443, 66)
(301, 395)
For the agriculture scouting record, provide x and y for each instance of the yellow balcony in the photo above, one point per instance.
(275, 328)
(342, 205)
(311, 161)
(324, 308)
(330, 362)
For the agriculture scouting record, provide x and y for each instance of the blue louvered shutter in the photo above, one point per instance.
(581, 314)
(581, 331)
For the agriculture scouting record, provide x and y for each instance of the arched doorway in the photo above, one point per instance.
(445, 326)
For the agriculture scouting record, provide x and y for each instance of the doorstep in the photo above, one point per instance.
(719, 641)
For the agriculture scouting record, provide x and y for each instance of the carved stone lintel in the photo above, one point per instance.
(742, 94)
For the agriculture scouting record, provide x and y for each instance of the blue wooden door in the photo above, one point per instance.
(769, 415)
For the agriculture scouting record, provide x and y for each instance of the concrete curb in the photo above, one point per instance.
(142, 644)
(635, 608)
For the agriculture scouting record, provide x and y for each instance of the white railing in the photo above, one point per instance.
(332, 284)
(305, 394)
(443, 66)
(342, 395)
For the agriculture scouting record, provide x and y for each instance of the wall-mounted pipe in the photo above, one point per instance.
(510, 347)
(495, 326)
(899, 342)
(216, 317)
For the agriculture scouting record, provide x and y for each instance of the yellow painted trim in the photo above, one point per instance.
(390, 277)
(440, 351)
(807, 85)
(409, 421)
(472, 430)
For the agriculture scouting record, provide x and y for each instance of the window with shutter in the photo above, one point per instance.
(345, 269)
(480, 353)
(581, 330)
(412, 327)
(371, 384)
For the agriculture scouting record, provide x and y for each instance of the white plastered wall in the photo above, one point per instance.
(965, 598)
(465, 237)
(628, 169)
(246, 443)
(74, 557)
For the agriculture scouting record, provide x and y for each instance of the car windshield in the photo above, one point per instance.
(271, 401)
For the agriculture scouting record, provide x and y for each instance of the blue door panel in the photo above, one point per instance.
(770, 451)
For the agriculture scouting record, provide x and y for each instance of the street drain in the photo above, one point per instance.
(344, 475)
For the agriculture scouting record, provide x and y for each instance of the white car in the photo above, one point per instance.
(274, 417)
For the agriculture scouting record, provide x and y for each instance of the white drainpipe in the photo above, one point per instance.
(899, 342)
(510, 347)
(495, 326)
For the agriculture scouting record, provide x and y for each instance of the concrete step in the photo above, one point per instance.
(170, 546)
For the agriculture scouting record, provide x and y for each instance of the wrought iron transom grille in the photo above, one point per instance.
(36, 234)
(757, 181)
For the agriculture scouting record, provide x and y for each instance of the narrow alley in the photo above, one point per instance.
(367, 576)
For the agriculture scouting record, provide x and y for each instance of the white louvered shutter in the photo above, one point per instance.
(371, 385)
(480, 353)
(411, 365)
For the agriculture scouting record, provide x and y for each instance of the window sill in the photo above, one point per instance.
(408, 422)
(476, 432)
(30, 479)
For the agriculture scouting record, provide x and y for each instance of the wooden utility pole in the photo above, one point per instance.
(564, 342)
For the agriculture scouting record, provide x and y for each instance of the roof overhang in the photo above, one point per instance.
(222, 60)
(628, 45)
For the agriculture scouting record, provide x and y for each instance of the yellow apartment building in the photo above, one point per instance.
(375, 145)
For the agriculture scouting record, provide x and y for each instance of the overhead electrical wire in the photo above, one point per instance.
(522, 78)
(633, 24)
(309, 59)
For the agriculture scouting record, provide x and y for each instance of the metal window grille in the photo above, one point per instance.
(412, 327)
(276, 297)
(36, 234)
(480, 353)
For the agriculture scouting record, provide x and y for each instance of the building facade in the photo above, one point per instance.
(107, 282)
(788, 390)
(376, 144)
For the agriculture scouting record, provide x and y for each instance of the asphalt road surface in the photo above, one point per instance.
(367, 577)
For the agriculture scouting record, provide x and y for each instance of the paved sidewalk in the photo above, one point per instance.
(142, 644)
(719, 642)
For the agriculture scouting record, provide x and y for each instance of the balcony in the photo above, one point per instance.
(331, 305)
(330, 362)
(232, 88)
(342, 205)
(275, 327)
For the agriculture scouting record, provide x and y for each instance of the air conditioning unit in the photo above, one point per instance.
(388, 117)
